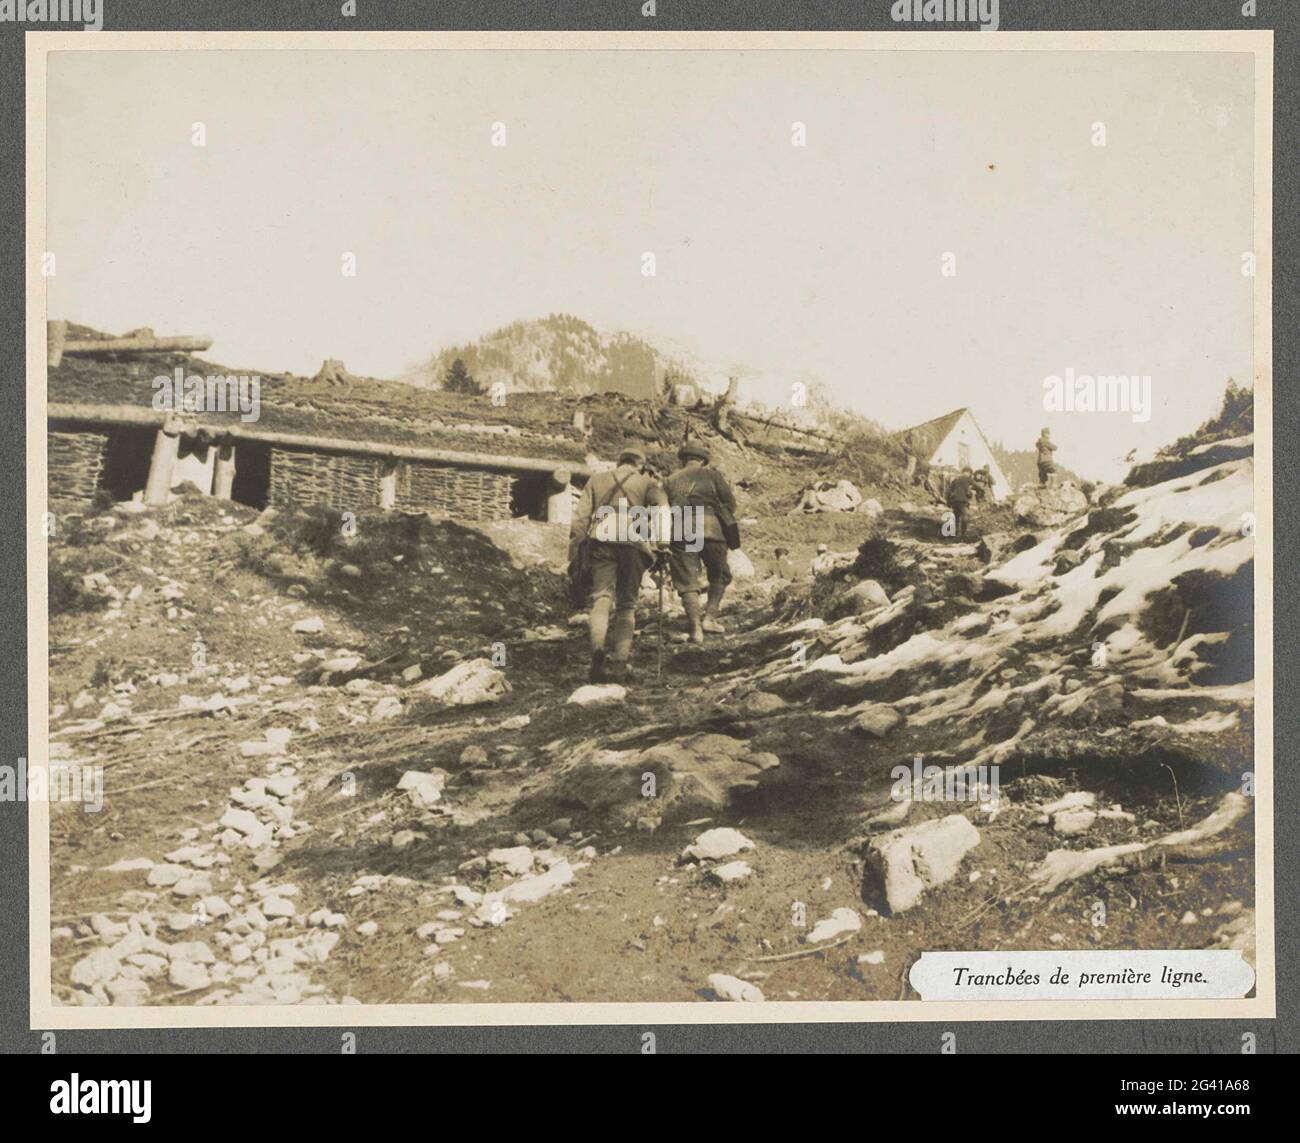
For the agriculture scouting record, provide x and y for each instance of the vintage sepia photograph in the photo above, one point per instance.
(734, 526)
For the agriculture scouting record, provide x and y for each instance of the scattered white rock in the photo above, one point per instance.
(96, 968)
(469, 683)
(163, 876)
(243, 821)
(731, 872)
(594, 694)
(843, 920)
(733, 988)
(281, 785)
(129, 865)
(877, 720)
(517, 859)
(1062, 865)
(188, 974)
(390, 706)
(913, 859)
(278, 907)
(740, 565)
(273, 744)
(1075, 821)
(715, 844)
(539, 885)
(1076, 799)
(197, 951)
(424, 787)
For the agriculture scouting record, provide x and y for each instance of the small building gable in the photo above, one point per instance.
(956, 441)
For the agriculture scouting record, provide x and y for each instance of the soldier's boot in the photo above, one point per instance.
(694, 619)
(623, 628)
(712, 623)
(598, 626)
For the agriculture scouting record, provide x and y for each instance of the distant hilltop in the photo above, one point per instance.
(558, 353)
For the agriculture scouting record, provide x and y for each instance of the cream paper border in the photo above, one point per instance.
(44, 1015)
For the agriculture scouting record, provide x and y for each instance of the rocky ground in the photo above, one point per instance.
(365, 767)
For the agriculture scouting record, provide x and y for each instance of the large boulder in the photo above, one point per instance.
(598, 694)
(1048, 507)
(717, 844)
(828, 563)
(690, 777)
(825, 496)
(866, 595)
(877, 719)
(424, 788)
(911, 860)
(469, 683)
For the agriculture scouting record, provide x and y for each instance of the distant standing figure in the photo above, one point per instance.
(984, 484)
(960, 493)
(1046, 463)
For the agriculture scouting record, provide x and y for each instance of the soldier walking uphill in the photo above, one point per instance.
(604, 550)
(696, 486)
(960, 493)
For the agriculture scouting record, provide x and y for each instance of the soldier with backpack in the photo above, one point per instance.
(612, 559)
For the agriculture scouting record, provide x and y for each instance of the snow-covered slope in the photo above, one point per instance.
(1136, 617)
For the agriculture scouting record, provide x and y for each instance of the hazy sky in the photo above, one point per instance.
(776, 260)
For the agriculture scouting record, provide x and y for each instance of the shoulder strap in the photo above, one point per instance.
(619, 486)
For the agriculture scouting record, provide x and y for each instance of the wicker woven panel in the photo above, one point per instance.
(348, 483)
(76, 463)
(462, 493)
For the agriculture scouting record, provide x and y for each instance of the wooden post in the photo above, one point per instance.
(388, 486)
(166, 444)
(559, 503)
(56, 333)
(223, 476)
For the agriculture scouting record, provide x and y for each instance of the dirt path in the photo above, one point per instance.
(260, 843)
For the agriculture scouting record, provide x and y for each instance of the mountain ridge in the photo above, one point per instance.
(558, 353)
